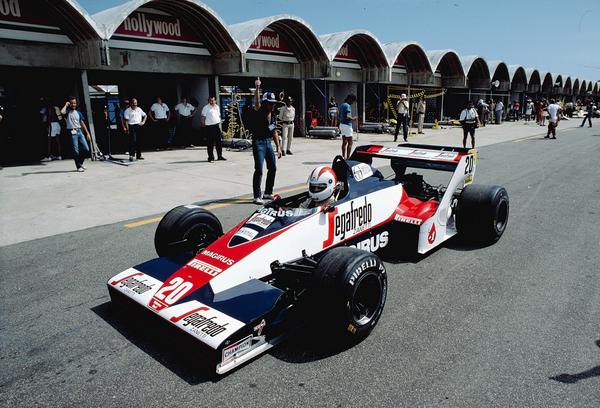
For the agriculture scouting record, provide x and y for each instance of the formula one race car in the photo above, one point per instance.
(240, 292)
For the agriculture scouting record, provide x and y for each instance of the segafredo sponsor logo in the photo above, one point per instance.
(357, 219)
(201, 324)
(373, 243)
(204, 267)
(10, 8)
(219, 257)
(136, 285)
(151, 25)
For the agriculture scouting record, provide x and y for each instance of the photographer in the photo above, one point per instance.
(469, 119)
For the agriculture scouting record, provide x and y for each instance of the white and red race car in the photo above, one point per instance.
(240, 292)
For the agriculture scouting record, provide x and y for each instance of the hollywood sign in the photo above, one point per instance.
(140, 23)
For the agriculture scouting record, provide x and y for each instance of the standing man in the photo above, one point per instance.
(346, 119)
(160, 115)
(469, 119)
(332, 111)
(589, 114)
(402, 109)
(421, 107)
(528, 110)
(185, 113)
(135, 118)
(75, 123)
(211, 121)
(261, 124)
(287, 114)
(53, 117)
(498, 112)
(554, 113)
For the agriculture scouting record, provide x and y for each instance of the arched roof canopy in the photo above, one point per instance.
(77, 24)
(596, 88)
(518, 78)
(300, 36)
(589, 87)
(499, 71)
(534, 80)
(576, 86)
(369, 51)
(568, 88)
(447, 63)
(478, 72)
(411, 53)
(583, 87)
(547, 83)
(206, 24)
(558, 83)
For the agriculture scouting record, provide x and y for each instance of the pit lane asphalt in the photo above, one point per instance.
(513, 324)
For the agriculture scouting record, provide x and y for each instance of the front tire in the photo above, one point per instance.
(351, 291)
(185, 230)
(482, 213)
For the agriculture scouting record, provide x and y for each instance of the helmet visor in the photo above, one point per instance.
(316, 187)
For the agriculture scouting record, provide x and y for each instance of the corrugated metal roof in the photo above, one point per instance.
(436, 56)
(75, 20)
(419, 63)
(302, 38)
(365, 43)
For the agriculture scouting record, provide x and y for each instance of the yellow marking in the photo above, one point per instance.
(241, 200)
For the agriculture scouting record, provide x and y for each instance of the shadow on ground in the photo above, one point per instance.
(48, 172)
(576, 377)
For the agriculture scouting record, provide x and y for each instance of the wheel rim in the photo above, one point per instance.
(367, 299)
(198, 236)
(501, 216)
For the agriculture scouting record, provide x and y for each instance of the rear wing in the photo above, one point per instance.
(444, 158)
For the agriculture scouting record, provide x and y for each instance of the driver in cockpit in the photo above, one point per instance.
(323, 188)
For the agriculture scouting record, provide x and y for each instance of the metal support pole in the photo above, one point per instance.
(364, 96)
(94, 151)
(442, 107)
(217, 93)
(303, 105)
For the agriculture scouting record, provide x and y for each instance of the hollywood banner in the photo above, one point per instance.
(153, 30)
(29, 20)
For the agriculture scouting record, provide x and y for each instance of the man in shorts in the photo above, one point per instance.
(554, 113)
(346, 119)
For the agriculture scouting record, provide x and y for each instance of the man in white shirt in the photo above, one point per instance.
(469, 120)
(287, 114)
(402, 119)
(211, 120)
(135, 118)
(554, 113)
(498, 112)
(160, 115)
(185, 113)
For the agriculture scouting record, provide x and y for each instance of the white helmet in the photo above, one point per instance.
(321, 183)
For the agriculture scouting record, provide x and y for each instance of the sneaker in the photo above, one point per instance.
(139, 158)
(82, 167)
(289, 152)
(267, 196)
(258, 201)
(46, 159)
(282, 153)
(546, 137)
(130, 158)
(59, 158)
(81, 170)
(222, 158)
(211, 160)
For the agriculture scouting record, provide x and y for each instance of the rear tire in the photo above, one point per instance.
(482, 213)
(185, 230)
(351, 291)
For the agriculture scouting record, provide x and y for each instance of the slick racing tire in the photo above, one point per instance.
(482, 213)
(185, 230)
(351, 291)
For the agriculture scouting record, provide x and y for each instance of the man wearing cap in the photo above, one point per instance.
(287, 114)
(261, 124)
(402, 120)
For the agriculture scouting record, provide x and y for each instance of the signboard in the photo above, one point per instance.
(153, 30)
(347, 53)
(269, 45)
(29, 20)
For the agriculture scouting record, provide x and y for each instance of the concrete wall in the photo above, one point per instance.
(27, 54)
(158, 62)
